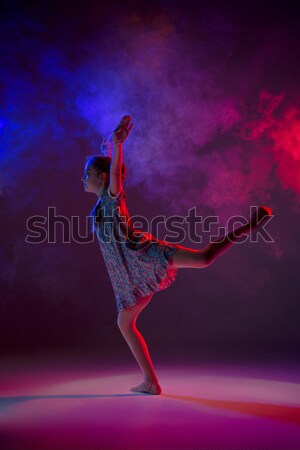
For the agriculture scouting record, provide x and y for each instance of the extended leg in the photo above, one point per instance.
(190, 258)
(127, 324)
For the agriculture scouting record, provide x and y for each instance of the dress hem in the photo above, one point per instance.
(165, 278)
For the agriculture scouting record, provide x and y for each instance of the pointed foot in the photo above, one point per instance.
(260, 216)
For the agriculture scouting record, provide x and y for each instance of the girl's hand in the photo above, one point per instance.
(122, 131)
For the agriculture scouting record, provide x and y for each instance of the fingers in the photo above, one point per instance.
(124, 125)
(125, 120)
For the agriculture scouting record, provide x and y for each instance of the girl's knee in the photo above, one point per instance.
(125, 322)
(127, 318)
(205, 256)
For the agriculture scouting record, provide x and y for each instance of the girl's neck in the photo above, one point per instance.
(100, 192)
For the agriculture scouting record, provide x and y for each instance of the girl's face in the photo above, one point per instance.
(92, 181)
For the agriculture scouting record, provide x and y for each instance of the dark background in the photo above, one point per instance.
(213, 90)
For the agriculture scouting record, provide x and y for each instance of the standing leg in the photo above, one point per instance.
(127, 324)
(190, 258)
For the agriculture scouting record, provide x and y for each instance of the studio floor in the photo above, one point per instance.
(51, 404)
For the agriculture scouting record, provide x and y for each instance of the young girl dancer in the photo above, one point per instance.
(139, 264)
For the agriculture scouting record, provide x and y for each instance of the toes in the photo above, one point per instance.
(268, 209)
(153, 389)
(260, 215)
(140, 388)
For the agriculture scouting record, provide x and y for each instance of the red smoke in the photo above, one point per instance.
(279, 126)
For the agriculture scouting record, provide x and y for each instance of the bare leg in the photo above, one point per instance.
(127, 324)
(190, 258)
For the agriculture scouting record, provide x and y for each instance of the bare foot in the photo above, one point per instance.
(151, 387)
(260, 215)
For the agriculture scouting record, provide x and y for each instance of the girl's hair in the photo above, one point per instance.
(102, 164)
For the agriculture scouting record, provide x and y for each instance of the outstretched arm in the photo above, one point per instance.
(120, 134)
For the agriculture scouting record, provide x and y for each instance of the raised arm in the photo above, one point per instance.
(120, 134)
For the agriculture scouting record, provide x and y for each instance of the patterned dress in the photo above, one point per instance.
(137, 262)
